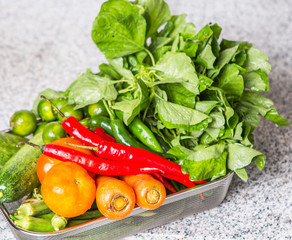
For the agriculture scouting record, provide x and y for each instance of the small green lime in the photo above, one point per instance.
(68, 110)
(97, 109)
(23, 122)
(45, 111)
(59, 103)
(53, 131)
(40, 127)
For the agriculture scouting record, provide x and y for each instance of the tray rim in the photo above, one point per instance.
(103, 221)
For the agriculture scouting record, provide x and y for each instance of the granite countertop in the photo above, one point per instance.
(45, 44)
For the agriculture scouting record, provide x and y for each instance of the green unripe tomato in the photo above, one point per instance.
(46, 111)
(23, 122)
(97, 109)
(53, 131)
(68, 110)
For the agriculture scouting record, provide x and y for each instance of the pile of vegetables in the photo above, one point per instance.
(173, 107)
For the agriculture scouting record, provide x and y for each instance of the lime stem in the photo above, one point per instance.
(53, 105)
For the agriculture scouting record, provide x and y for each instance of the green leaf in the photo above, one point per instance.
(180, 152)
(158, 13)
(213, 132)
(178, 94)
(109, 70)
(120, 8)
(224, 58)
(118, 65)
(204, 82)
(238, 131)
(206, 163)
(241, 173)
(187, 30)
(206, 106)
(273, 116)
(203, 36)
(131, 108)
(119, 29)
(256, 81)
(231, 81)
(158, 42)
(260, 163)
(218, 120)
(256, 101)
(178, 67)
(257, 60)
(90, 88)
(176, 116)
(206, 57)
(48, 93)
(240, 156)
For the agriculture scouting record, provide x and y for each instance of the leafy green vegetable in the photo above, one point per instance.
(200, 95)
(241, 156)
(206, 163)
(178, 67)
(90, 88)
(119, 29)
(176, 116)
(158, 13)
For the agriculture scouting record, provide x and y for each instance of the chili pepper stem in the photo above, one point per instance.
(53, 105)
(84, 147)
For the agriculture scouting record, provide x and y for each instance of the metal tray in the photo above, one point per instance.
(178, 205)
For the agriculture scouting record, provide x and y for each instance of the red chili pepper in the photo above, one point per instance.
(184, 181)
(100, 132)
(120, 152)
(199, 182)
(157, 176)
(96, 164)
(166, 183)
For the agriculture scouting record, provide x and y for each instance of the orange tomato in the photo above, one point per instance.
(68, 190)
(44, 163)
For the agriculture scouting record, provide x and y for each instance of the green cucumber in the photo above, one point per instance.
(8, 147)
(18, 176)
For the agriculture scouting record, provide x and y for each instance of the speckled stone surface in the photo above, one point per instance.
(47, 43)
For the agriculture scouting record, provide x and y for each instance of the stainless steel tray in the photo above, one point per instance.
(178, 205)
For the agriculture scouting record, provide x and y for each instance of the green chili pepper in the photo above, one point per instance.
(85, 121)
(144, 134)
(164, 145)
(121, 134)
(101, 121)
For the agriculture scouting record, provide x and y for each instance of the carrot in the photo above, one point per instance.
(150, 193)
(115, 199)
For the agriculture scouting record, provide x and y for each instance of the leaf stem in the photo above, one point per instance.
(150, 55)
(111, 113)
